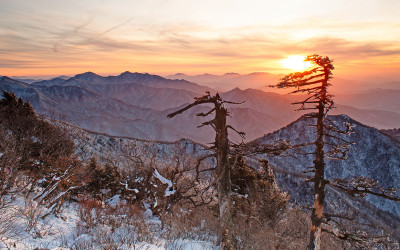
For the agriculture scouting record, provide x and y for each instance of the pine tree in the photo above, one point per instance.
(34, 153)
(315, 83)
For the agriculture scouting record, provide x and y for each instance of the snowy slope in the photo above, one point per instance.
(373, 155)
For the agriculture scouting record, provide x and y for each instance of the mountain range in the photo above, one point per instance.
(262, 81)
(228, 81)
(136, 105)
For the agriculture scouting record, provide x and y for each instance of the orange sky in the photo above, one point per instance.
(47, 37)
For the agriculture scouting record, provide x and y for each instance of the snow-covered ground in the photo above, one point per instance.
(22, 228)
(27, 231)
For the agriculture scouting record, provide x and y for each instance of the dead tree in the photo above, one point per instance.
(330, 137)
(315, 83)
(221, 149)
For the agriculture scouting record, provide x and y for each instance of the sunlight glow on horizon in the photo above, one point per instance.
(295, 62)
(47, 37)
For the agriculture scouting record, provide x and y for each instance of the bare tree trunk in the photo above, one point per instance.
(319, 176)
(223, 177)
(319, 185)
(223, 168)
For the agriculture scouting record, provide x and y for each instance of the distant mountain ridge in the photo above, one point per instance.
(262, 81)
(393, 133)
(136, 105)
(228, 81)
(378, 99)
(124, 78)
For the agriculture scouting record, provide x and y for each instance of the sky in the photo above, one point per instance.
(51, 37)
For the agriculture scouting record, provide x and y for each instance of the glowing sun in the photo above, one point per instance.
(295, 62)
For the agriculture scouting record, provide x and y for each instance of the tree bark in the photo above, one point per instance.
(223, 167)
(223, 177)
(319, 177)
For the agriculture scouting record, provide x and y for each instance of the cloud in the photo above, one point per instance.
(63, 36)
(245, 48)
(18, 63)
(117, 26)
(348, 49)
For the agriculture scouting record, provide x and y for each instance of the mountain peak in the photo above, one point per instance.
(232, 74)
(5, 78)
(258, 73)
(126, 73)
(9, 80)
(129, 77)
(237, 89)
(55, 81)
(86, 74)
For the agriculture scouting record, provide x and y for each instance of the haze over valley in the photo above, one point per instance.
(136, 104)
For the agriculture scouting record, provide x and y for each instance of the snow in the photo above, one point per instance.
(62, 232)
(129, 189)
(190, 244)
(52, 232)
(115, 201)
(147, 213)
(374, 156)
(168, 191)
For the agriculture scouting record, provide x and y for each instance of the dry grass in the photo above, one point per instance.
(111, 227)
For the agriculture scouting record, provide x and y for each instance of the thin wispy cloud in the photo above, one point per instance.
(193, 36)
(117, 26)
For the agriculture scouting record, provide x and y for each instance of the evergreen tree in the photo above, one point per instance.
(315, 83)
(34, 153)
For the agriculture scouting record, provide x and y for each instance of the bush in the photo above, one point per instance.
(36, 157)
(110, 226)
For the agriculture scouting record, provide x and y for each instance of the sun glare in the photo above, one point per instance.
(295, 62)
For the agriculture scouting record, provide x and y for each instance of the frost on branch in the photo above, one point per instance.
(363, 186)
